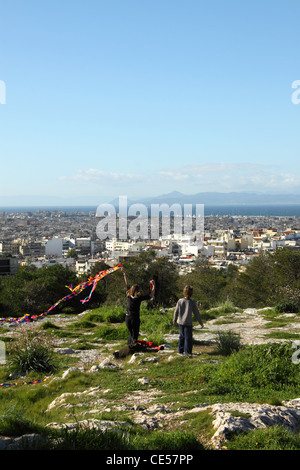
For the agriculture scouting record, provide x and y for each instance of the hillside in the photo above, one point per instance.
(179, 401)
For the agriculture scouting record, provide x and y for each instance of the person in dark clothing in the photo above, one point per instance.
(134, 300)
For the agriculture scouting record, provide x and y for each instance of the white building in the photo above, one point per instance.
(54, 247)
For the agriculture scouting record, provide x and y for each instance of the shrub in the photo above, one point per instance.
(32, 351)
(82, 324)
(110, 333)
(257, 370)
(107, 314)
(287, 306)
(227, 342)
(227, 307)
(48, 325)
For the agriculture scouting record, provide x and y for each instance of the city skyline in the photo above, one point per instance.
(145, 98)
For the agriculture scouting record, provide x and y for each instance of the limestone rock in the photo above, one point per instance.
(134, 357)
(5, 442)
(144, 380)
(68, 372)
(107, 364)
(100, 425)
(61, 400)
(27, 441)
(64, 350)
(253, 415)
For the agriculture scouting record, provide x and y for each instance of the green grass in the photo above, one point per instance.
(155, 324)
(254, 373)
(283, 335)
(106, 314)
(272, 438)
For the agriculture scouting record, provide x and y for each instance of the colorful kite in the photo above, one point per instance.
(92, 281)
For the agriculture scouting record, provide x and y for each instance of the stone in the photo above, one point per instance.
(100, 425)
(69, 371)
(260, 416)
(27, 441)
(134, 357)
(146, 422)
(250, 311)
(64, 350)
(107, 364)
(144, 380)
(61, 400)
(5, 442)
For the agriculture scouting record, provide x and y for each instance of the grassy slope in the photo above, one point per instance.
(183, 382)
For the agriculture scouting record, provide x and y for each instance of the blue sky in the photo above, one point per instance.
(140, 98)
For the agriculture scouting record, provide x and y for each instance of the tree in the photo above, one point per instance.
(34, 291)
(138, 271)
(269, 279)
(255, 286)
(209, 283)
(286, 277)
(165, 275)
(101, 292)
(72, 253)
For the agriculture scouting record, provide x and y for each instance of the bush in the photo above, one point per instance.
(107, 314)
(287, 306)
(228, 342)
(110, 333)
(255, 371)
(82, 325)
(32, 352)
(227, 307)
(33, 291)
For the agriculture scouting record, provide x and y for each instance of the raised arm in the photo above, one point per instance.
(125, 278)
(152, 288)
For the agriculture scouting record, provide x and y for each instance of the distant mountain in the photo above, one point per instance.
(215, 198)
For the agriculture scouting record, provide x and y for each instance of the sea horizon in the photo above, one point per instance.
(251, 210)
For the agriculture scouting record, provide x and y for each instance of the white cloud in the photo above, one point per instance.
(220, 177)
(93, 175)
(232, 177)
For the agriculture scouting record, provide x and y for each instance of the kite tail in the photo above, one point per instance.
(74, 292)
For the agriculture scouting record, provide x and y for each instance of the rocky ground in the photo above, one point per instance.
(251, 326)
